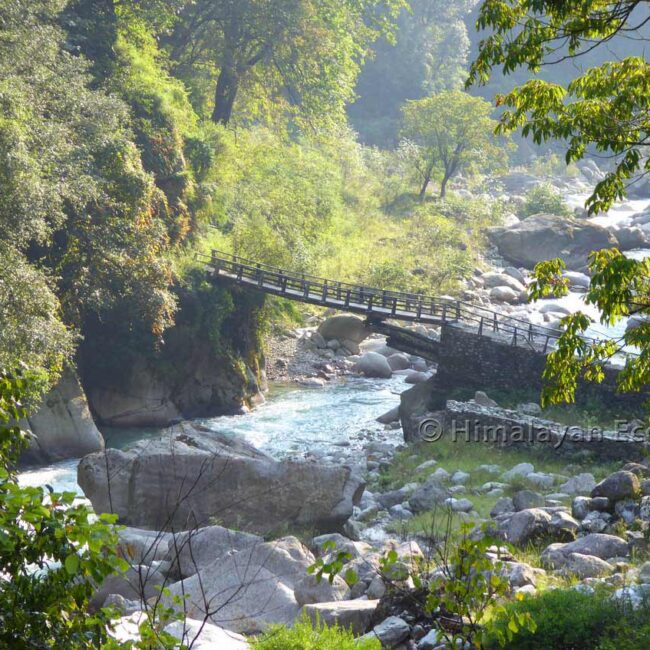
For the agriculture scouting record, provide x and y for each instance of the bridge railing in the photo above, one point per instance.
(381, 303)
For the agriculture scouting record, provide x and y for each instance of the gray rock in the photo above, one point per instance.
(390, 416)
(525, 526)
(503, 506)
(546, 236)
(62, 425)
(186, 477)
(530, 408)
(309, 590)
(246, 591)
(430, 641)
(525, 499)
(373, 364)
(428, 495)
(482, 399)
(427, 464)
(618, 486)
(459, 505)
(399, 361)
(540, 480)
(518, 471)
(344, 327)
(460, 478)
(205, 636)
(138, 546)
(492, 280)
(390, 632)
(644, 573)
(415, 377)
(595, 522)
(586, 566)
(600, 545)
(564, 526)
(627, 510)
(521, 574)
(579, 484)
(191, 551)
(644, 508)
(354, 615)
(506, 295)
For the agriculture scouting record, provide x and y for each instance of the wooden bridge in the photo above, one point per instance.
(377, 305)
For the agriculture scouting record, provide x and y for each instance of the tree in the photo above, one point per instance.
(430, 54)
(306, 51)
(448, 133)
(605, 108)
(75, 197)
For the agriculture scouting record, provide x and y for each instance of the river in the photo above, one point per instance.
(297, 420)
(294, 420)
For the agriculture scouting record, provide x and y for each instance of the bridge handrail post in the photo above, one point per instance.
(480, 327)
(514, 338)
(338, 291)
(347, 297)
(394, 308)
(444, 312)
(370, 301)
(458, 310)
(495, 323)
(306, 287)
(325, 291)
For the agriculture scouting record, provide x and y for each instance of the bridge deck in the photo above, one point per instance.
(377, 304)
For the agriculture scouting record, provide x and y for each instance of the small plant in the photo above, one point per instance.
(565, 619)
(331, 565)
(305, 635)
(544, 198)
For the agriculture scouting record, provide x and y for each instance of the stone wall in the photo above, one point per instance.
(472, 362)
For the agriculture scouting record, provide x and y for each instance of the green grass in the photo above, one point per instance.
(306, 636)
(467, 456)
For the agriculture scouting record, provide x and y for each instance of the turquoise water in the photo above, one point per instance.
(294, 420)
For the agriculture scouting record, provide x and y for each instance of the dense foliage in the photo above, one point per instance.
(570, 618)
(53, 552)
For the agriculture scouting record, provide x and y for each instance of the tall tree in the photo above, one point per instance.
(448, 133)
(429, 54)
(604, 108)
(307, 50)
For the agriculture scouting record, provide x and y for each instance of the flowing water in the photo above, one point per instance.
(294, 420)
(298, 420)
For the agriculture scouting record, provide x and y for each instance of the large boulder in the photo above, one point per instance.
(596, 544)
(547, 236)
(618, 486)
(191, 551)
(344, 327)
(245, 592)
(526, 525)
(354, 615)
(428, 495)
(373, 364)
(189, 477)
(62, 425)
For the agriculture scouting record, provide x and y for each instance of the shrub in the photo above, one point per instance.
(306, 636)
(545, 198)
(566, 619)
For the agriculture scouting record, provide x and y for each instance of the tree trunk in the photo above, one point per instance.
(225, 95)
(425, 185)
(443, 186)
